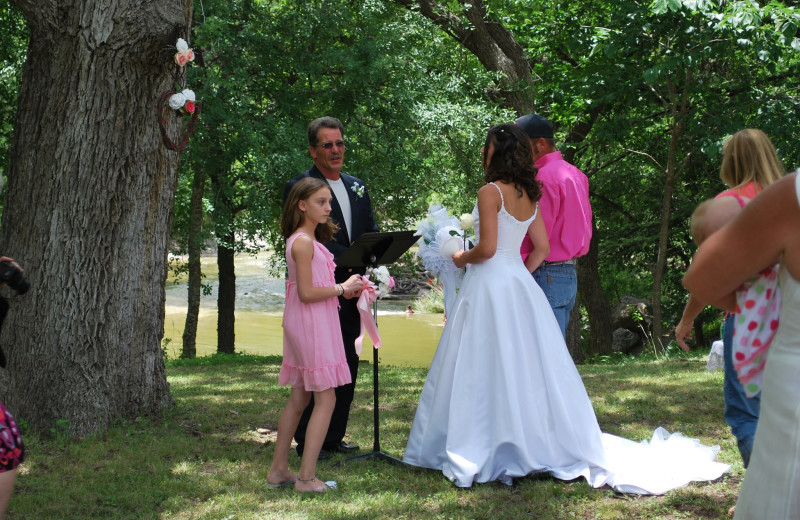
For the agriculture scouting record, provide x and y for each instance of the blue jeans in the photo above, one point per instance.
(741, 412)
(560, 285)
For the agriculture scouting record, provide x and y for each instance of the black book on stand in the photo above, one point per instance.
(372, 250)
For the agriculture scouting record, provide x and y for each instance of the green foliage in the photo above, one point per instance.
(13, 42)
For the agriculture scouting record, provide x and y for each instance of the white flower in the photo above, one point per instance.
(382, 274)
(467, 221)
(358, 189)
(182, 46)
(176, 101)
(385, 280)
(450, 247)
(188, 95)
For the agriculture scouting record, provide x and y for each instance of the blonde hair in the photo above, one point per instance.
(292, 217)
(749, 156)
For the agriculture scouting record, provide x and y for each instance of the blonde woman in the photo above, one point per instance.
(749, 164)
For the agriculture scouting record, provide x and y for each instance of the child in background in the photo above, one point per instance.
(313, 351)
(757, 302)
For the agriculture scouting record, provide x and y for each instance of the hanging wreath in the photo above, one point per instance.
(169, 100)
(184, 102)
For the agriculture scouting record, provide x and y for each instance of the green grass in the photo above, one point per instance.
(208, 458)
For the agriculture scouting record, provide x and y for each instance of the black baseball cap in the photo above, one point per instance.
(536, 126)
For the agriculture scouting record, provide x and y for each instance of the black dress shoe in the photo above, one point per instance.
(323, 455)
(341, 447)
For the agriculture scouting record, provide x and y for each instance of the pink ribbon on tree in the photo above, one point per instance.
(368, 296)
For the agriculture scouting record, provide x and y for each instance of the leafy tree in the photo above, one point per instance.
(644, 93)
(410, 116)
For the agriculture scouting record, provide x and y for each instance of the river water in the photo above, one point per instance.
(408, 340)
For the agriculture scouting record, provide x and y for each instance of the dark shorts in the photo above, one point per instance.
(12, 451)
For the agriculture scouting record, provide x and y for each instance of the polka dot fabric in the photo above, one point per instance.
(757, 312)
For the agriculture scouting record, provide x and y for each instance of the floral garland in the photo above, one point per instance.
(184, 102)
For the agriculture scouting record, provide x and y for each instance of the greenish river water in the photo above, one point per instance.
(408, 340)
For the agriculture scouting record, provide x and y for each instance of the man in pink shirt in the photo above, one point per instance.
(567, 218)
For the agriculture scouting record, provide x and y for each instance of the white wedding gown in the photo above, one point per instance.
(503, 398)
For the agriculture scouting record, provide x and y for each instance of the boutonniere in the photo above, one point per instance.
(358, 189)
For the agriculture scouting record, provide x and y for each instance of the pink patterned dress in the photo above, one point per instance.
(313, 350)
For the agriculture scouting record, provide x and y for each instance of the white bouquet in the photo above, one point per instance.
(384, 279)
(441, 236)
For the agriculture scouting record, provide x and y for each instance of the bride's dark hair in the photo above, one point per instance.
(512, 161)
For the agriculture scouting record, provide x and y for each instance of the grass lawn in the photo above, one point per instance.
(208, 458)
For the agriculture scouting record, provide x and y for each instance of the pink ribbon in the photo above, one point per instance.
(368, 295)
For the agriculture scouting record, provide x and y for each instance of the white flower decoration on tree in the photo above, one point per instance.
(177, 100)
(183, 101)
(184, 54)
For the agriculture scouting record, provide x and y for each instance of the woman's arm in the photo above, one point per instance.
(541, 244)
(488, 206)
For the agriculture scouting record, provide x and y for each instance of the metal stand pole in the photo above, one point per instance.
(376, 452)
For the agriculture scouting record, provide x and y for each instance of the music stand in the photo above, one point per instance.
(372, 250)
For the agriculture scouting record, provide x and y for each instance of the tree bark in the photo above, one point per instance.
(189, 349)
(678, 112)
(226, 298)
(574, 335)
(88, 213)
(594, 299)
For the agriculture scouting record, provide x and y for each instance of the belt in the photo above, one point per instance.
(572, 261)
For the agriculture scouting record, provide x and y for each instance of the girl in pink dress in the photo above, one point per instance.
(313, 351)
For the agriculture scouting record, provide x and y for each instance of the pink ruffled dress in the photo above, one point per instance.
(313, 350)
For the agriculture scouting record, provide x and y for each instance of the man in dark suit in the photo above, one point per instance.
(352, 211)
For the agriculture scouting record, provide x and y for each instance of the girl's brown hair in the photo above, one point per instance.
(292, 217)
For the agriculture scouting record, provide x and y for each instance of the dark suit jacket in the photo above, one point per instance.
(363, 221)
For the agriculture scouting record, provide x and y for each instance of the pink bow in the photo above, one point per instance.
(368, 295)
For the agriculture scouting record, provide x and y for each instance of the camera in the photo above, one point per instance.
(11, 275)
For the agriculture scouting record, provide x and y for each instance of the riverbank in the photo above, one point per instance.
(260, 297)
(210, 455)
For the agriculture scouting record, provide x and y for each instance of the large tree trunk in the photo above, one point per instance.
(88, 213)
(195, 272)
(594, 299)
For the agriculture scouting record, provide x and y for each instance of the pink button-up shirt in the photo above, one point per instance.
(564, 207)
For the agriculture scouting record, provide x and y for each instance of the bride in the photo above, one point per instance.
(503, 398)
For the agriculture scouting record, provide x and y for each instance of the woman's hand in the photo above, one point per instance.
(682, 332)
(459, 258)
(352, 286)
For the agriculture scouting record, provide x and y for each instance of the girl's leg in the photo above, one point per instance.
(6, 487)
(315, 435)
(279, 470)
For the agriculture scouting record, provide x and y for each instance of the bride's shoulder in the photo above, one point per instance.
(490, 188)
